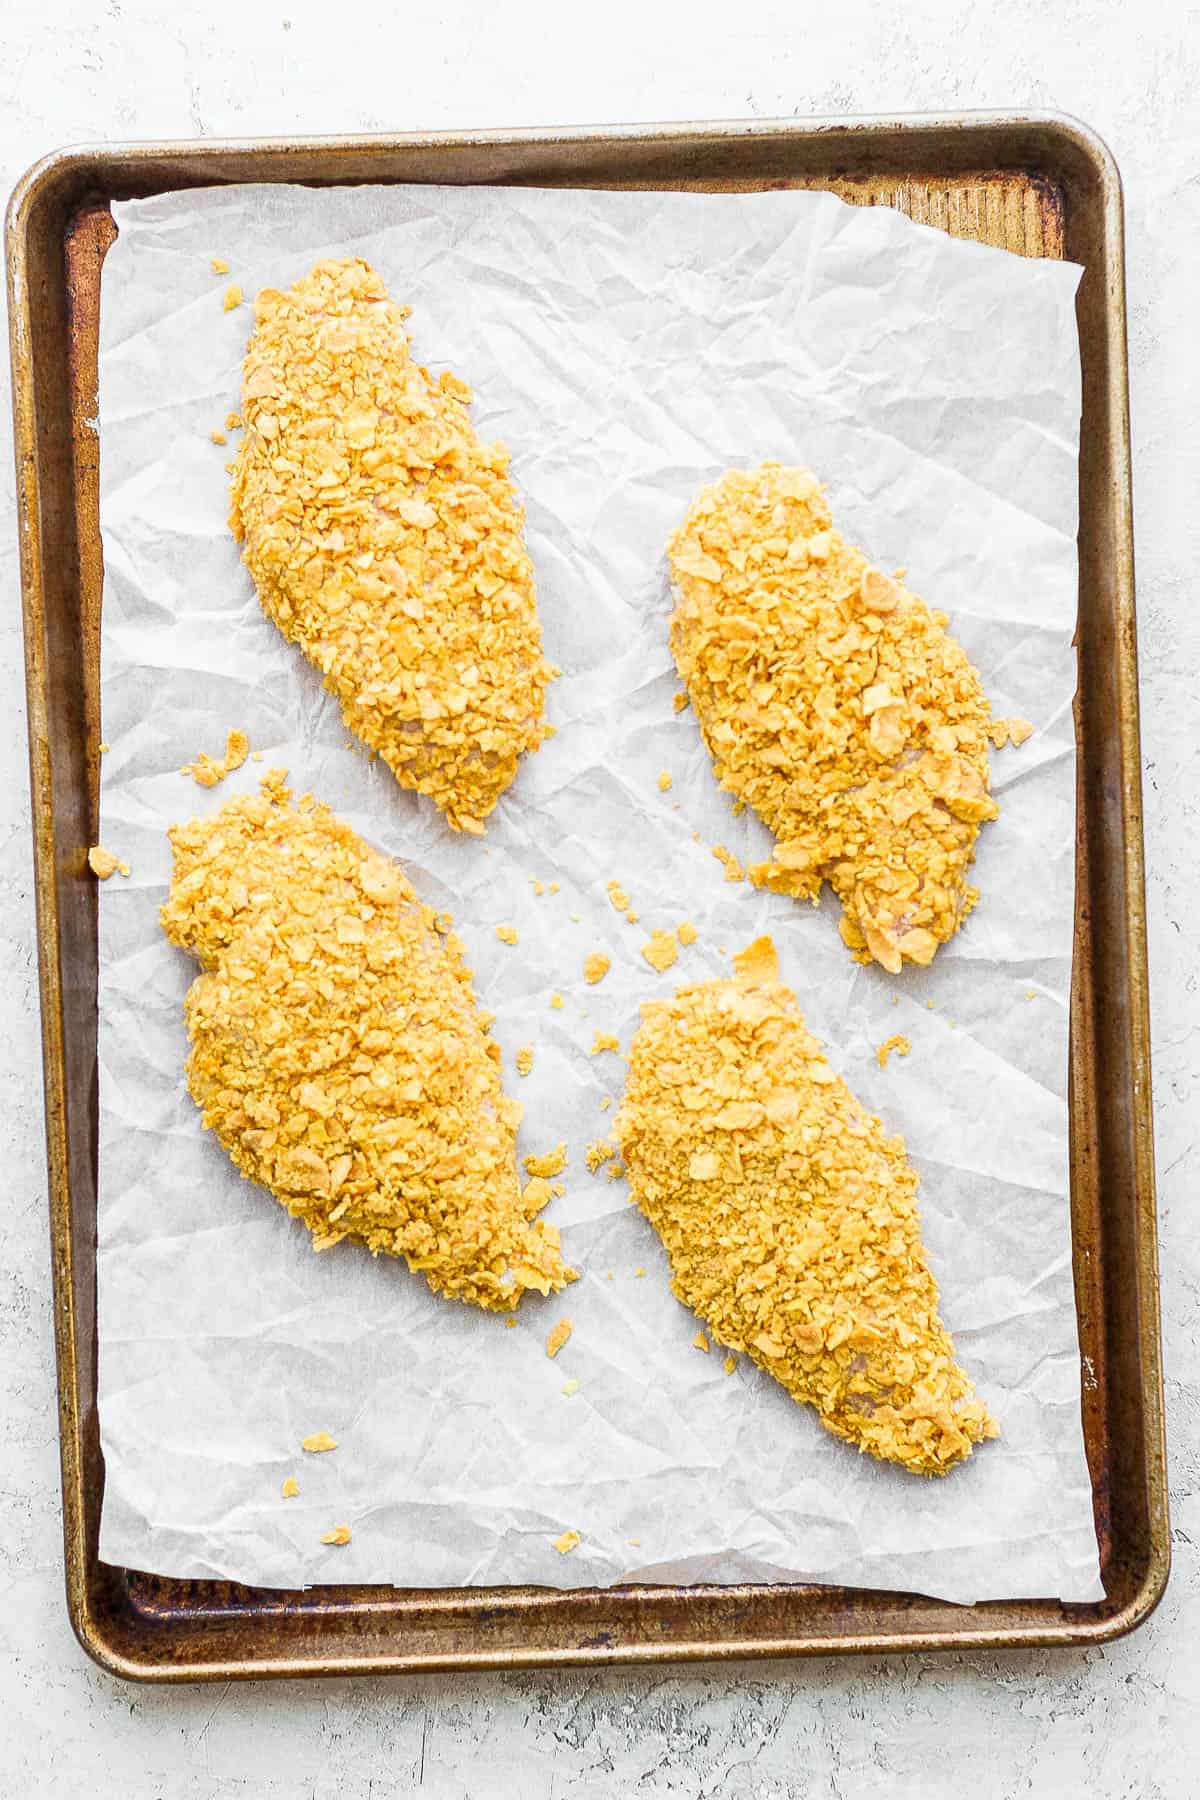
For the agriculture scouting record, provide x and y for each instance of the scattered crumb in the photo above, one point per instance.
(1032, 994)
(556, 1001)
(290, 1488)
(733, 868)
(616, 1171)
(552, 1163)
(536, 1194)
(570, 1387)
(662, 950)
(567, 1542)
(605, 1103)
(618, 896)
(758, 963)
(730, 1364)
(217, 437)
(103, 863)
(700, 1342)
(507, 934)
(929, 1005)
(1018, 731)
(897, 1043)
(548, 732)
(524, 1059)
(598, 1153)
(637, 1542)
(539, 887)
(638, 1273)
(596, 967)
(104, 749)
(340, 1535)
(510, 1324)
(207, 770)
(256, 756)
(631, 918)
(233, 297)
(553, 889)
(233, 421)
(686, 933)
(320, 1440)
(558, 1337)
(574, 916)
(604, 1040)
(664, 781)
(678, 702)
(220, 266)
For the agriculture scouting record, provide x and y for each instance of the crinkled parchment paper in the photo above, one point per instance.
(627, 348)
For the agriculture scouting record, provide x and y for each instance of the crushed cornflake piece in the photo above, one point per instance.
(729, 1365)
(507, 934)
(700, 1342)
(290, 1488)
(556, 1001)
(340, 1535)
(553, 887)
(220, 266)
(536, 1194)
(524, 1059)
(618, 897)
(598, 1153)
(758, 962)
(1018, 731)
(1032, 994)
(567, 1542)
(661, 951)
(898, 1043)
(318, 1441)
(103, 863)
(207, 770)
(539, 887)
(636, 1542)
(615, 1171)
(551, 1164)
(638, 1273)
(631, 918)
(686, 932)
(679, 702)
(733, 868)
(558, 1337)
(570, 1387)
(929, 1005)
(217, 437)
(596, 967)
(104, 749)
(605, 1102)
(664, 781)
(233, 421)
(604, 1040)
(510, 1324)
(233, 298)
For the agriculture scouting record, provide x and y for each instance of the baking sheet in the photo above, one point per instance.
(627, 347)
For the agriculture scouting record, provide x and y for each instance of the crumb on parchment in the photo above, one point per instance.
(524, 1059)
(898, 1043)
(1009, 731)
(733, 868)
(661, 951)
(556, 1002)
(508, 934)
(219, 266)
(290, 1488)
(558, 1337)
(679, 702)
(538, 1193)
(206, 771)
(615, 1171)
(686, 932)
(104, 749)
(567, 1542)
(510, 1324)
(596, 967)
(552, 1163)
(103, 863)
(605, 1102)
(233, 298)
(618, 896)
(318, 1441)
(700, 1342)
(729, 1365)
(664, 781)
(598, 1153)
(216, 436)
(340, 1535)
(570, 1387)
(631, 918)
(605, 1040)
(233, 421)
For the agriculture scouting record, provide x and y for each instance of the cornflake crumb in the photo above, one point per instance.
(617, 896)
(733, 868)
(217, 437)
(1018, 731)
(638, 1273)
(233, 298)
(605, 1102)
(631, 918)
(290, 1488)
(686, 933)
(616, 1171)
(597, 1154)
(539, 887)
(104, 748)
(510, 1324)
(661, 951)
(553, 889)
(1032, 994)
(596, 967)
(220, 266)
(664, 781)
(700, 1342)
(636, 1542)
(233, 421)
(897, 1043)
(556, 1001)
(929, 1005)
(570, 1387)
(730, 1364)
(552, 1163)
(558, 1337)
(524, 1059)
(103, 863)
(679, 702)
(536, 1194)
(340, 1535)
(604, 1040)
(318, 1441)
(507, 934)
(207, 770)
(567, 1542)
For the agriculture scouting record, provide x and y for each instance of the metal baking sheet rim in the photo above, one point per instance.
(143, 1628)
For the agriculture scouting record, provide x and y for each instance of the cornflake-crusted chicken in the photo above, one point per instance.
(338, 1053)
(386, 540)
(790, 1218)
(834, 703)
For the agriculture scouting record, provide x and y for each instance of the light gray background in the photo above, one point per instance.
(1118, 1723)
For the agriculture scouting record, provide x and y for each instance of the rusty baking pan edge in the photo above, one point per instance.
(967, 172)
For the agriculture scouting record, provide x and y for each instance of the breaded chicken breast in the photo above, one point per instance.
(790, 1217)
(835, 703)
(386, 540)
(338, 1052)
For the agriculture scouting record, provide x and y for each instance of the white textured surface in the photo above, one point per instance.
(1118, 1723)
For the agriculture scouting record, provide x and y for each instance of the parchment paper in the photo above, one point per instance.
(628, 348)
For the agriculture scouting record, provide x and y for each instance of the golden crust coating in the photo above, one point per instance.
(790, 1218)
(386, 540)
(835, 704)
(338, 1052)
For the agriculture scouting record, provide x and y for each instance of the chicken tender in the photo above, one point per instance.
(338, 1052)
(835, 703)
(790, 1217)
(386, 541)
